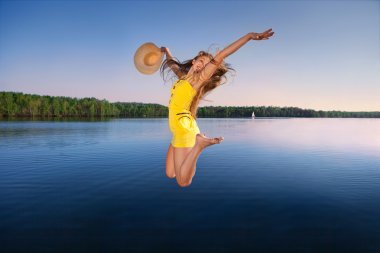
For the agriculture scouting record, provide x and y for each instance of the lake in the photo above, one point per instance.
(272, 185)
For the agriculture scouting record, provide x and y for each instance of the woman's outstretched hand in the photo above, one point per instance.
(167, 52)
(261, 36)
(164, 49)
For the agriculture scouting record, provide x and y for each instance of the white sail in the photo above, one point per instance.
(253, 114)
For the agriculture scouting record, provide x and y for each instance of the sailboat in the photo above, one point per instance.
(253, 115)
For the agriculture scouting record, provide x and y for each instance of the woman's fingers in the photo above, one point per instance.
(267, 35)
(261, 36)
(267, 31)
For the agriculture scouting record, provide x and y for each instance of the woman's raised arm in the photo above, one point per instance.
(240, 42)
(173, 67)
(210, 68)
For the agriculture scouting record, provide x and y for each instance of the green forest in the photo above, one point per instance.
(17, 104)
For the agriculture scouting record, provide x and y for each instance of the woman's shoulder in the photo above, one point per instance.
(192, 84)
(192, 81)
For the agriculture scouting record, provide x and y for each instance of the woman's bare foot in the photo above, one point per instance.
(203, 141)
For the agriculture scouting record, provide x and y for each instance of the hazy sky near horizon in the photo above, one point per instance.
(324, 55)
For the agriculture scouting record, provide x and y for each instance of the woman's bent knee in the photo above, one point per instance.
(184, 184)
(170, 175)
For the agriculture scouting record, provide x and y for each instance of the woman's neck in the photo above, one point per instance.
(192, 76)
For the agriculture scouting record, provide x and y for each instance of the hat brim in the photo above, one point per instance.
(140, 54)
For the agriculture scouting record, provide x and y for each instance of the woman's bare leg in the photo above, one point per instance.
(170, 167)
(170, 170)
(185, 159)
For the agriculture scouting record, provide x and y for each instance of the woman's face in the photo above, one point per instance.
(200, 63)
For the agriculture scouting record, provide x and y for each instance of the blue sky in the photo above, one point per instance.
(324, 55)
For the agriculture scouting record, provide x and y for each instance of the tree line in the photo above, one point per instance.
(17, 104)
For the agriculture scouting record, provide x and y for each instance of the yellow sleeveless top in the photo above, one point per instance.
(182, 95)
(182, 124)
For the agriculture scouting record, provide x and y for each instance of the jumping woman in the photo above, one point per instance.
(196, 78)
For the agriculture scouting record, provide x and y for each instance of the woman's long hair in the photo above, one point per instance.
(183, 69)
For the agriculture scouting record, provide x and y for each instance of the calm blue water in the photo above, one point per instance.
(273, 185)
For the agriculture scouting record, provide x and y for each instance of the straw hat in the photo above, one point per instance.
(148, 58)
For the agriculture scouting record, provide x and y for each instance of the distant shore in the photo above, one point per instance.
(20, 105)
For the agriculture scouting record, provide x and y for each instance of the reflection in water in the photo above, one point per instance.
(309, 185)
(339, 135)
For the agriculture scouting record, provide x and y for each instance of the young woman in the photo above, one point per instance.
(196, 78)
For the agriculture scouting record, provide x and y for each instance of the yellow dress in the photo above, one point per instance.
(182, 124)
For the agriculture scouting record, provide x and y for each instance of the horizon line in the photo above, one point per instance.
(199, 106)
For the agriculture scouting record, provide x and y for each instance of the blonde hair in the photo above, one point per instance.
(183, 70)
